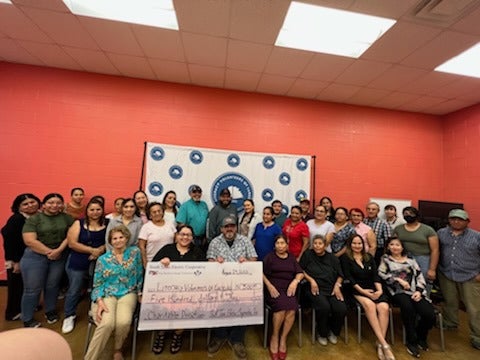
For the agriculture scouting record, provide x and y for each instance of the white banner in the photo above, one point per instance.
(262, 177)
(192, 295)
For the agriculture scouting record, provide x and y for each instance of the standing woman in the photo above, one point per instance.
(249, 219)
(43, 261)
(324, 275)
(360, 269)
(24, 206)
(296, 232)
(117, 286)
(421, 242)
(86, 239)
(170, 207)
(265, 234)
(327, 202)
(281, 276)
(406, 285)
(128, 219)
(343, 230)
(141, 202)
(362, 229)
(155, 234)
(74, 207)
(182, 250)
(117, 210)
(319, 225)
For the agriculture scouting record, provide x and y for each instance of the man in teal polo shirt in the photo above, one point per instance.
(194, 212)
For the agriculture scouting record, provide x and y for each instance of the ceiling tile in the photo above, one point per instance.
(132, 66)
(112, 36)
(92, 60)
(362, 72)
(63, 28)
(204, 16)
(241, 80)
(337, 92)
(287, 62)
(392, 9)
(400, 41)
(264, 19)
(449, 106)
(171, 71)
(272, 84)
(57, 5)
(247, 56)
(12, 52)
(462, 87)
(159, 43)
(368, 96)
(308, 89)
(16, 25)
(422, 102)
(396, 77)
(205, 50)
(207, 75)
(435, 52)
(394, 100)
(51, 55)
(469, 24)
(325, 67)
(427, 83)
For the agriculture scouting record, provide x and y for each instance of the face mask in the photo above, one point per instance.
(410, 219)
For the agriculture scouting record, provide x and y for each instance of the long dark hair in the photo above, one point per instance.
(348, 251)
(99, 202)
(174, 206)
(22, 197)
(389, 240)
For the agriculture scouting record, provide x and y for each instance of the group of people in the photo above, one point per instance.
(331, 254)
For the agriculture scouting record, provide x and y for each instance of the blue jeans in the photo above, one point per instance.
(235, 334)
(424, 263)
(39, 273)
(76, 279)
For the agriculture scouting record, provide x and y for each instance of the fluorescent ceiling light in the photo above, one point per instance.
(325, 30)
(6, 2)
(157, 13)
(467, 63)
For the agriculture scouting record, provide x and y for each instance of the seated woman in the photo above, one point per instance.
(360, 269)
(342, 231)
(281, 275)
(265, 233)
(406, 285)
(324, 274)
(117, 286)
(182, 250)
(86, 239)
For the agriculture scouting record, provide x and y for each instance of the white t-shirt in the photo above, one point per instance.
(169, 216)
(324, 229)
(156, 237)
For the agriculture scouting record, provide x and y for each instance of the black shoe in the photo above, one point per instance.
(159, 343)
(176, 344)
(52, 317)
(475, 344)
(214, 346)
(413, 350)
(422, 345)
(31, 324)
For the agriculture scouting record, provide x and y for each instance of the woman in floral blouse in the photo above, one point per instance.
(117, 285)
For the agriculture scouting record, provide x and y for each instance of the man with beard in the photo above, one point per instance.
(194, 213)
(230, 247)
(223, 209)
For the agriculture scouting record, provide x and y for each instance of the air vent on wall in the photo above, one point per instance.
(442, 12)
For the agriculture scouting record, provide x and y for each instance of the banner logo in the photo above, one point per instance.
(240, 188)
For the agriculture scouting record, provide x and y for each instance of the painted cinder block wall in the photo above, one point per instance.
(63, 128)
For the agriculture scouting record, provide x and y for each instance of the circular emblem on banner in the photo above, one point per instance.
(196, 157)
(267, 195)
(175, 172)
(240, 187)
(302, 164)
(284, 178)
(155, 188)
(268, 162)
(157, 153)
(233, 160)
(300, 194)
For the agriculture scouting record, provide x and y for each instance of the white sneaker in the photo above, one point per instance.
(323, 341)
(332, 338)
(68, 324)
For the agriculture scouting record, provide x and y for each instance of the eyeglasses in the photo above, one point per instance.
(185, 234)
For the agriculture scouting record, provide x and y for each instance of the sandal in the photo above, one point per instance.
(387, 351)
(158, 343)
(176, 344)
(380, 353)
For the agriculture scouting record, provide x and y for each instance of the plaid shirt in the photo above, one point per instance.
(241, 247)
(381, 228)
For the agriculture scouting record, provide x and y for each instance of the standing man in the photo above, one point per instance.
(230, 247)
(223, 209)
(379, 226)
(459, 272)
(305, 206)
(194, 213)
(279, 216)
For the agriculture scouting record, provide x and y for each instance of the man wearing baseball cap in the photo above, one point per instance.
(194, 212)
(231, 247)
(223, 209)
(459, 272)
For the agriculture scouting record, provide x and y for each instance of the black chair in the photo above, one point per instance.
(439, 317)
(267, 311)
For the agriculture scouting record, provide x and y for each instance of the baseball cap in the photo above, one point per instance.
(194, 188)
(458, 213)
(225, 192)
(229, 220)
(304, 200)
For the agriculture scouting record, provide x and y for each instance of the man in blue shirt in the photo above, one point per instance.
(194, 212)
(459, 272)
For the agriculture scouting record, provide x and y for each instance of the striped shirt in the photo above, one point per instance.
(459, 254)
(381, 228)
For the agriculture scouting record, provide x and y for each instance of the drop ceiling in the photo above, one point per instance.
(229, 44)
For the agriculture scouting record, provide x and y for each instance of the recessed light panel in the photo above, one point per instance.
(466, 63)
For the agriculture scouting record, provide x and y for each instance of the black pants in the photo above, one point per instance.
(418, 317)
(15, 291)
(330, 313)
